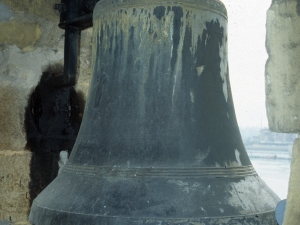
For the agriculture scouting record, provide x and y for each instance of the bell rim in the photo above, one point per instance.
(56, 202)
(62, 216)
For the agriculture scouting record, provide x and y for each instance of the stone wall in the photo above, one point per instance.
(30, 41)
(283, 87)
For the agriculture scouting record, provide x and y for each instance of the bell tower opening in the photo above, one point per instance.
(270, 154)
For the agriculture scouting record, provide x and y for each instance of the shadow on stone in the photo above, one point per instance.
(53, 118)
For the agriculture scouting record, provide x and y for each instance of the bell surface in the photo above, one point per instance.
(159, 142)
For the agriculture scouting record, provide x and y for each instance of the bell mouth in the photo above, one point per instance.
(153, 197)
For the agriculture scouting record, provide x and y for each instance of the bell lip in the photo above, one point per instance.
(38, 219)
(216, 6)
(58, 209)
(35, 204)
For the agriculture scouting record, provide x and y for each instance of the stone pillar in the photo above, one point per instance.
(292, 213)
(30, 41)
(283, 67)
(283, 87)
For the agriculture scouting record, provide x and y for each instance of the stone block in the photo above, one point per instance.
(282, 74)
(19, 33)
(12, 134)
(35, 7)
(14, 186)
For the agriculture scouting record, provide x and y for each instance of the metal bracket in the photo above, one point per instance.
(75, 16)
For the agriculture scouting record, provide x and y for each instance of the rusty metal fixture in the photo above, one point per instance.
(75, 16)
(159, 142)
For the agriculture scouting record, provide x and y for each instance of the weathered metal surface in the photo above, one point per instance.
(159, 143)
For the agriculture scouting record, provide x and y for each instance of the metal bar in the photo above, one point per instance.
(75, 15)
(72, 36)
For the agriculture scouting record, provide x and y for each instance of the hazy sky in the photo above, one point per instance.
(247, 57)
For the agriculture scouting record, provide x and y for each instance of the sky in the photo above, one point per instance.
(247, 58)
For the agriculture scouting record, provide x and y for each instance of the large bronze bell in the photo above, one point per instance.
(159, 142)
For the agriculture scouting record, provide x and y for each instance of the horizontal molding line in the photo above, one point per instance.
(199, 172)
